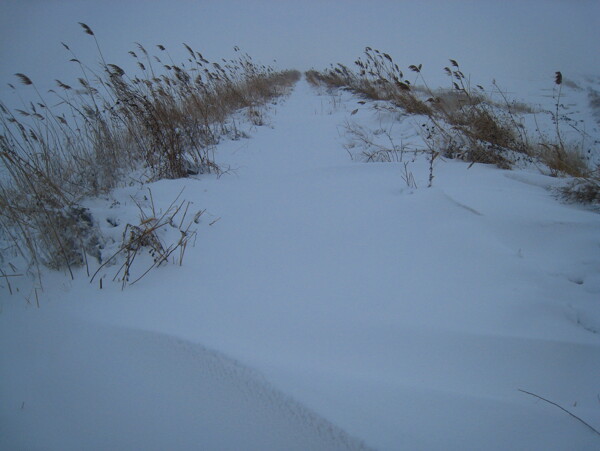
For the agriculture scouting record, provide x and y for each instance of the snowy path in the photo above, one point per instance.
(409, 320)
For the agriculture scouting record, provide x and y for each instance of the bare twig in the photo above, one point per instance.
(408, 177)
(563, 409)
(6, 276)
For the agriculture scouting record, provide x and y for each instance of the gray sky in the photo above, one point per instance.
(507, 40)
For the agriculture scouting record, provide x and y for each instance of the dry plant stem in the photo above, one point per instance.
(373, 151)
(516, 125)
(181, 244)
(408, 177)
(145, 235)
(6, 277)
(561, 408)
(131, 247)
(558, 82)
(432, 156)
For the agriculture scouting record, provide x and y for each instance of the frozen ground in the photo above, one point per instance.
(328, 307)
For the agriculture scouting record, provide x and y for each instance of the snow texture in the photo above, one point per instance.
(325, 303)
(328, 307)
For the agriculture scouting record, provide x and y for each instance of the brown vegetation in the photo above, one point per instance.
(165, 120)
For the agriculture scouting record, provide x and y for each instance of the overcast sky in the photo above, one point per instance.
(501, 39)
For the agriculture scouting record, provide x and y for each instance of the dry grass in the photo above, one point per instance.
(165, 120)
(462, 122)
(582, 190)
(375, 146)
(468, 126)
(378, 78)
(563, 160)
(146, 236)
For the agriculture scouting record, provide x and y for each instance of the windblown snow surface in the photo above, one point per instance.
(324, 305)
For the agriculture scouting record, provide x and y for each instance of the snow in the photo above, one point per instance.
(324, 304)
(102, 387)
(328, 307)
